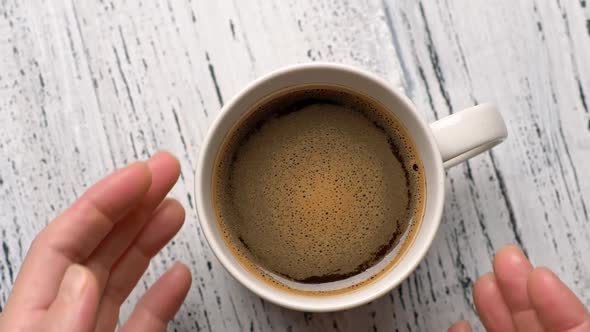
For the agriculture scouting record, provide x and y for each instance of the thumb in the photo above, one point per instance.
(74, 308)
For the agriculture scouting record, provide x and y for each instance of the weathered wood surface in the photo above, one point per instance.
(87, 86)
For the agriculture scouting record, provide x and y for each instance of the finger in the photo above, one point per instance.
(557, 306)
(512, 270)
(74, 308)
(460, 326)
(75, 234)
(161, 302)
(163, 225)
(165, 170)
(490, 305)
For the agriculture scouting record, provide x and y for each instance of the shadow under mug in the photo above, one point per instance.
(440, 145)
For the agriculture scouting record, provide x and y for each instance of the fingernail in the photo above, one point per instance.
(548, 274)
(74, 282)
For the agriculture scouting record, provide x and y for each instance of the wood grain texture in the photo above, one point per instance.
(87, 86)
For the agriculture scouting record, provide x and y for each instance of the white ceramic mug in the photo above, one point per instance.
(441, 144)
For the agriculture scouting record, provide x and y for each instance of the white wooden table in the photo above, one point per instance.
(87, 86)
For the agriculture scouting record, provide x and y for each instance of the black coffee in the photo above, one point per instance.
(317, 185)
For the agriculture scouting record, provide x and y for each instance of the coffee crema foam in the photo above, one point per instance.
(316, 187)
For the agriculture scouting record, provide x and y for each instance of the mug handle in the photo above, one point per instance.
(467, 133)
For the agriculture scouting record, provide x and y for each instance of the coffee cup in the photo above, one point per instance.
(438, 146)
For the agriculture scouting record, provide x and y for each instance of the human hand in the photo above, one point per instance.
(517, 297)
(82, 266)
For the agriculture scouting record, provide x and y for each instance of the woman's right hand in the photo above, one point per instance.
(517, 297)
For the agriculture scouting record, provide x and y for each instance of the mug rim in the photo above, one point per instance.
(268, 292)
